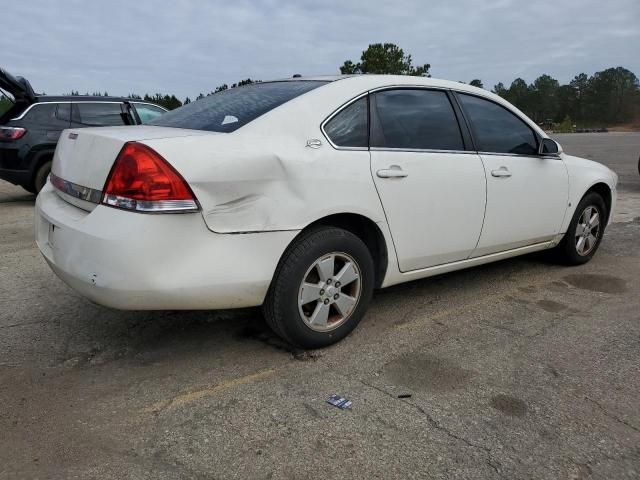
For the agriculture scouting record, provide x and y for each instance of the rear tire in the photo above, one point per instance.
(585, 231)
(41, 176)
(321, 289)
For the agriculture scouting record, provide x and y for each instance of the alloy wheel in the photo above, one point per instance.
(329, 291)
(587, 230)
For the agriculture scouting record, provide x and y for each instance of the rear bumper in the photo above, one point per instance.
(135, 261)
(17, 177)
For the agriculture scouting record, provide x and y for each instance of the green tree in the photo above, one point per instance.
(612, 95)
(543, 98)
(566, 103)
(520, 95)
(580, 86)
(500, 89)
(476, 82)
(385, 58)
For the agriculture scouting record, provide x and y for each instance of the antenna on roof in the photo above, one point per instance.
(296, 75)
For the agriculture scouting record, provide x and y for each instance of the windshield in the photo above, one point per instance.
(228, 110)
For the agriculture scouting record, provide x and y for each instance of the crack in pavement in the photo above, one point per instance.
(491, 462)
(611, 415)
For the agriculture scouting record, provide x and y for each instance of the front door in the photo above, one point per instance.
(527, 193)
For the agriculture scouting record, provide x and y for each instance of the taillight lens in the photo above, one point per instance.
(11, 133)
(142, 180)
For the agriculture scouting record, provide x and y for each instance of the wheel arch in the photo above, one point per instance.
(366, 230)
(39, 158)
(605, 192)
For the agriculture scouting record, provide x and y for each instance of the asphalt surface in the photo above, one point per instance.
(519, 369)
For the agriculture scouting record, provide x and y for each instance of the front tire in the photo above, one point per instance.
(321, 289)
(585, 231)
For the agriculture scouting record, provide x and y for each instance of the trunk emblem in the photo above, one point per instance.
(73, 136)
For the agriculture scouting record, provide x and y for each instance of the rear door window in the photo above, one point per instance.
(350, 126)
(228, 110)
(496, 129)
(91, 114)
(45, 115)
(414, 119)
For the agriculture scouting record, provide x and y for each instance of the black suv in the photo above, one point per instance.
(30, 128)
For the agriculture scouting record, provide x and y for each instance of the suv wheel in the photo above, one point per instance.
(321, 288)
(40, 178)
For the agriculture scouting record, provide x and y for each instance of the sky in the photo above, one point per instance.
(186, 47)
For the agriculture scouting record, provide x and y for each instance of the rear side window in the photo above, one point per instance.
(350, 126)
(496, 129)
(97, 114)
(46, 115)
(231, 109)
(414, 119)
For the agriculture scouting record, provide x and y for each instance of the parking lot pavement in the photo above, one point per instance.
(519, 369)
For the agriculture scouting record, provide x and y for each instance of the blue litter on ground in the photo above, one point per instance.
(338, 401)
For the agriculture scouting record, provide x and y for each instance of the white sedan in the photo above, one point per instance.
(304, 195)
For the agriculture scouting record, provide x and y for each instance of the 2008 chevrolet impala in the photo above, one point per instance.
(304, 195)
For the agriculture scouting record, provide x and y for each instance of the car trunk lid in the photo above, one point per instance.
(84, 157)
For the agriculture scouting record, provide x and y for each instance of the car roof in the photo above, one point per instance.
(369, 81)
(83, 98)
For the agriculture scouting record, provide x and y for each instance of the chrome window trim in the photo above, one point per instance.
(135, 102)
(421, 150)
(549, 155)
(33, 105)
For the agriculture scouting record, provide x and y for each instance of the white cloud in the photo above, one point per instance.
(187, 46)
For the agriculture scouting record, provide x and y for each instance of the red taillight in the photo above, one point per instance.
(11, 133)
(142, 180)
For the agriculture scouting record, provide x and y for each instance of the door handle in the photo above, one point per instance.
(394, 171)
(501, 172)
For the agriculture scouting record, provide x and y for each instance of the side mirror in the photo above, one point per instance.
(549, 147)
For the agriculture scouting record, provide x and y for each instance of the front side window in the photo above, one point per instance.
(148, 112)
(98, 114)
(496, 129)
(414, 119)
(230, 109)
(350, 126)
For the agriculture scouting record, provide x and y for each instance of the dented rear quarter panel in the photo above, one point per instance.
(263, 177)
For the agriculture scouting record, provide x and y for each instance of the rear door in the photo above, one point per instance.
(527, 193)
(431, 184)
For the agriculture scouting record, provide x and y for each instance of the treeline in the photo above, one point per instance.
(608, 97)
(171, 101)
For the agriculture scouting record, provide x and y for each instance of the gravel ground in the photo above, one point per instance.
(519, 369)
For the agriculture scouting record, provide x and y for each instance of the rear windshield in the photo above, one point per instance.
(228, 110)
